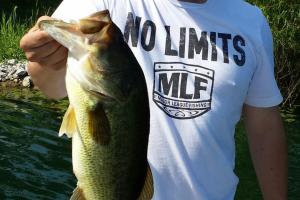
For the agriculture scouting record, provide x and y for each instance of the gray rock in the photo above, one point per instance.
(20, 73)
(15, 70)
(11, 71)
(12, 61)
(27, 82)
(3, 69)
(20, 65)
(7, 68)
(2, 75)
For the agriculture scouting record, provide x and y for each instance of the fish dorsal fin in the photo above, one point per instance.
(68, 125)
(95, 22)
(98, 124)
(90, 26)
(101, 16)
(147, 190)
(78, 194)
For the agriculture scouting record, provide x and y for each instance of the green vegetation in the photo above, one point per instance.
(284, 19)
(16, 18)
(29, 8)
(11, 31)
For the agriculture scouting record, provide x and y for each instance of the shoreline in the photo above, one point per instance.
(13, 73)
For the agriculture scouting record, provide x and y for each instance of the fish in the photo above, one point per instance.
(108, 114)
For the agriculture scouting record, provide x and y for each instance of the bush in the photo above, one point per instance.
(284, 19)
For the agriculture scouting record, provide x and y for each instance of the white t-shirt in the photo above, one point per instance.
(201, 62)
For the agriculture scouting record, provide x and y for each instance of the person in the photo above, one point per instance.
(207, 63)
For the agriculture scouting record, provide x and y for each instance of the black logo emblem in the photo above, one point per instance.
(181, 90)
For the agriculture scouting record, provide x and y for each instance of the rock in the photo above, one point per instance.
(21, 65)
(12, 61)
(2, 75)
(27, 82)
(21, 73)
(11, 72)
(2, 69)
(5, 68)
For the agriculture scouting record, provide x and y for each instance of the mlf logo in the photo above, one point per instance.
(181, 90)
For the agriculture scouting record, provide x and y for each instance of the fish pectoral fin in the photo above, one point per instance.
(99, 126)
(68, 125)
(147, 190)
(78, 194)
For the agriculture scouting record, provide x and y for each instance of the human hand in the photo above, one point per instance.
(42, 50)
(47, 61)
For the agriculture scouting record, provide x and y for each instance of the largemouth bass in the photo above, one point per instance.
(108, 115)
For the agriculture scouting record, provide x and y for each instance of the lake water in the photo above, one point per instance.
(36, 164)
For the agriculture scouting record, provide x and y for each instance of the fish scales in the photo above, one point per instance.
(108, 116)
(112, 165)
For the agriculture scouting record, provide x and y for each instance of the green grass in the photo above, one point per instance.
(28, 8)
(16, 19)
(11, 31)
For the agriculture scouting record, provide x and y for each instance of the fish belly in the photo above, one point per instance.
(115, 170)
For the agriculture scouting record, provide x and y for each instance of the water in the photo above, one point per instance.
(36, 164)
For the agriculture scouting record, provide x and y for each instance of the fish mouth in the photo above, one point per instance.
(68, 35)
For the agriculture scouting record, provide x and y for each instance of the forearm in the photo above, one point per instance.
(269, 153)
(50, 81)
(269, 159)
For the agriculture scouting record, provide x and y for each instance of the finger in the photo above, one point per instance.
(60, 54)
(34, 39)
(60, 64)
(39, 53)
(36, 26)
(43, 18)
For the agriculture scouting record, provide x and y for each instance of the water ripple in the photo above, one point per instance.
(36, 163)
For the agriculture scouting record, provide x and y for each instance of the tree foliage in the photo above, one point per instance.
(284, 19)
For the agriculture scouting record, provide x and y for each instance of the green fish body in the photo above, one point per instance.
(108, 116)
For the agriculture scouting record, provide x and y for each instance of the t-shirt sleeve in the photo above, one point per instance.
(263, 90)
(74, 10)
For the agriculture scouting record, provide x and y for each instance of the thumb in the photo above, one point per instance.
(36, 26)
